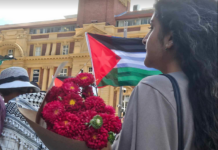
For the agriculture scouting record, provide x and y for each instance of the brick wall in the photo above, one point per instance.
(100, 10)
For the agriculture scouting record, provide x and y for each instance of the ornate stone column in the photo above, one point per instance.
(53, 49)
(44, 80)
(51, 73)
(48, 49)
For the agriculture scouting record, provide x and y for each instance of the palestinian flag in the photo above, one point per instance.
(118, 61)
(4, 58)
(58, 82)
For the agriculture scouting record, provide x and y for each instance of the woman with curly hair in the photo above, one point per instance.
(182, 42)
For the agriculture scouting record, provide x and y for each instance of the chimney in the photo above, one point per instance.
(136, 8)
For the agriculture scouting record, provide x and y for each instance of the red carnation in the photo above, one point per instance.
(52, 111)
(85, 79)
(87, 91)
(72, 102)
(95, 103)
(109, 110)
(70, 87)
(67, 125)
(54, 94)
(96, 139)
(71, 80)
(111, 123)
(86, 116)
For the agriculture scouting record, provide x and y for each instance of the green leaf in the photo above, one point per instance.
(96, 122)
(111, 137)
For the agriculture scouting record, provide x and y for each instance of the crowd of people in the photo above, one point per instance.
(182, 43)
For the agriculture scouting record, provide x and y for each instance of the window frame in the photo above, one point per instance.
(63, 49)
(134, 22)
(33, 31)
(64, 28)
(36, 75)
(64, 74)
(36, 51)
(125, 103)
(89, 70)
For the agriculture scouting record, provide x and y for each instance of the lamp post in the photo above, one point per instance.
(121, 88)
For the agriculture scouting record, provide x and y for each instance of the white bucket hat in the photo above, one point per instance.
(15, 77)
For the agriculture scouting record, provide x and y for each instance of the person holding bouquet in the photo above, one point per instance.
(182, 44)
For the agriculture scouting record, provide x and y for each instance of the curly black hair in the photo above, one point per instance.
(193, 24)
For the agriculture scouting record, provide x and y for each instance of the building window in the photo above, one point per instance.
(38, 51)
(10, 52)
(125, 102)
(90, 69)
(145, 21)
(33, 31)
(63, 72)
(36, 75)
(133, 22)
(65, 50)
(58, 29)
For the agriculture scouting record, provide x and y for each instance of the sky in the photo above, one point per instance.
(23, 11)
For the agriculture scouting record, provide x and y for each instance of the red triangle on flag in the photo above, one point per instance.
(103, 59)
(58, 82)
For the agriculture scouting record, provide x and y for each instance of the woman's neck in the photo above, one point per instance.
(170, 67)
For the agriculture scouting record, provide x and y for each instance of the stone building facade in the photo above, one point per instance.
(40, 47)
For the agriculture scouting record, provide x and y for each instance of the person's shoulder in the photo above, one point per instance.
(156, 81)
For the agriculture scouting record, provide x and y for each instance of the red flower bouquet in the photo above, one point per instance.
(74, 112)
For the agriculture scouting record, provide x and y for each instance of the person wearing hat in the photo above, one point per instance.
(15, 88)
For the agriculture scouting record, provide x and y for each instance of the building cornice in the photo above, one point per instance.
(54, 57)
(39, 24)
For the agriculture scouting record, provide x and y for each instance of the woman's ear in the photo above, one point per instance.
(168, 41)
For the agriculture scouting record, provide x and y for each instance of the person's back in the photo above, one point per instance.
(155, 118)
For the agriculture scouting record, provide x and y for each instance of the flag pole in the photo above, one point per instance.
(121, 88)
